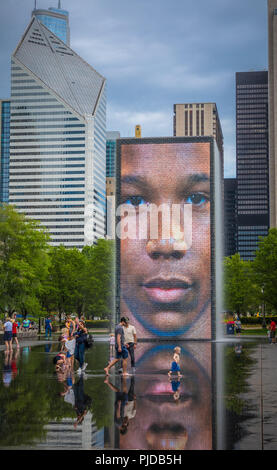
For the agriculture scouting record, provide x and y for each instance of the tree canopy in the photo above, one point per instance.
(37, 278)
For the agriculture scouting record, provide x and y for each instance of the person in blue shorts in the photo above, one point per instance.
(8, 334)
(121, 351)
(175, 366)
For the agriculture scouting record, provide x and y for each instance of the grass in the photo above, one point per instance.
(254, 331)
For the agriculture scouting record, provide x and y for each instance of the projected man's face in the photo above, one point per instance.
(165, 288)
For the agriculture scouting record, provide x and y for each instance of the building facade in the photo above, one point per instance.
(198, 119)
(57, 138)
(57, 20)
(252, 160)
(5, 111)
(272, 108)
(230, 211)
(112, 137)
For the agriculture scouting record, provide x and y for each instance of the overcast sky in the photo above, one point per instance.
(155, 53)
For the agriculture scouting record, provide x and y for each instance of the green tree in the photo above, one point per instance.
(240, 291)
(265, 268)
(100, 279)
(64, 287)
(24, 262)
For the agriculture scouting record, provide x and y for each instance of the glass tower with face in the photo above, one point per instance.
(165, 282)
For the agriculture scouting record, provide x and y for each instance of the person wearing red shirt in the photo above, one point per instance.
(273, 331)
(14, 331)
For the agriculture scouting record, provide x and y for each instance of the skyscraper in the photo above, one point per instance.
(230, 212)
(272, 107)
(112, 137)
(55, 19)
(198, 119)
(58, 138)
(4, 150)
(251, 160)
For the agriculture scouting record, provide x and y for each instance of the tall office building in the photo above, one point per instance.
(57, 138)
(251, 160)
(230, 212)
(272, 108)
(55, 19)
(198, 119)
(112, 137)
(4, 150)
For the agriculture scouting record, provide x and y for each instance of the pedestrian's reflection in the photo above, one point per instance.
(82, 401)
(125, 403)
(73, 392)
(10, 367)
(175, 384)
(171, 413)
(48, 347)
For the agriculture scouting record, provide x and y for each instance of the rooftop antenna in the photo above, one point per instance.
(59, 5)
(35, 4)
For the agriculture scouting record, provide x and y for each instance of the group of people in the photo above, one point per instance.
(124, 340)
(73, 344)
(10, 333)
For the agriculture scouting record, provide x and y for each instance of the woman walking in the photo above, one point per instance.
(81, 336)
(14, 331)
(8, 334)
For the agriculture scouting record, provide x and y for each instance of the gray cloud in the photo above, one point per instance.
(157, 53)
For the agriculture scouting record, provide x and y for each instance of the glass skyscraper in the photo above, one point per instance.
(252, 160)
(58, 138)
(230, 220)
(112, 136)
(4, 150)
(56, 20)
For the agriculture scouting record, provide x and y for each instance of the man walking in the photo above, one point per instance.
(130, 336)
(273, 331)
(48, 327)
(120, 348)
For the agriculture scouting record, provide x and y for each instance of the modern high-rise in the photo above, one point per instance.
(198, 119)
(112, 137)
(57, 20)
(230, 213)
(272, 108)
(57, 138)
(251, 160)
(4, 150)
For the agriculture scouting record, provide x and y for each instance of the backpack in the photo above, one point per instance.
(89, 341)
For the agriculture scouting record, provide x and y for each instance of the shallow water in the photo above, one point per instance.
(208, 408)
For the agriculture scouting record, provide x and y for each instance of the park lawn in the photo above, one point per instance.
(254, 331)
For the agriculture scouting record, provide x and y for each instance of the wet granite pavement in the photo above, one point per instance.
(41, 409)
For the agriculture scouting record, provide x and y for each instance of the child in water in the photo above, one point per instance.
(175, 367)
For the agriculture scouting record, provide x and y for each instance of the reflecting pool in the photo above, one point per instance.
(225, 399)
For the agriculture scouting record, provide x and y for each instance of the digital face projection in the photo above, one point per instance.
(164, 236)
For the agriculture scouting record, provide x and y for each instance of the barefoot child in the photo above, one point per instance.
(175, 367)
(70, 345)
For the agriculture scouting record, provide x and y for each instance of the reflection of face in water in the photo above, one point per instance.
(166, 292)
(171, 415)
